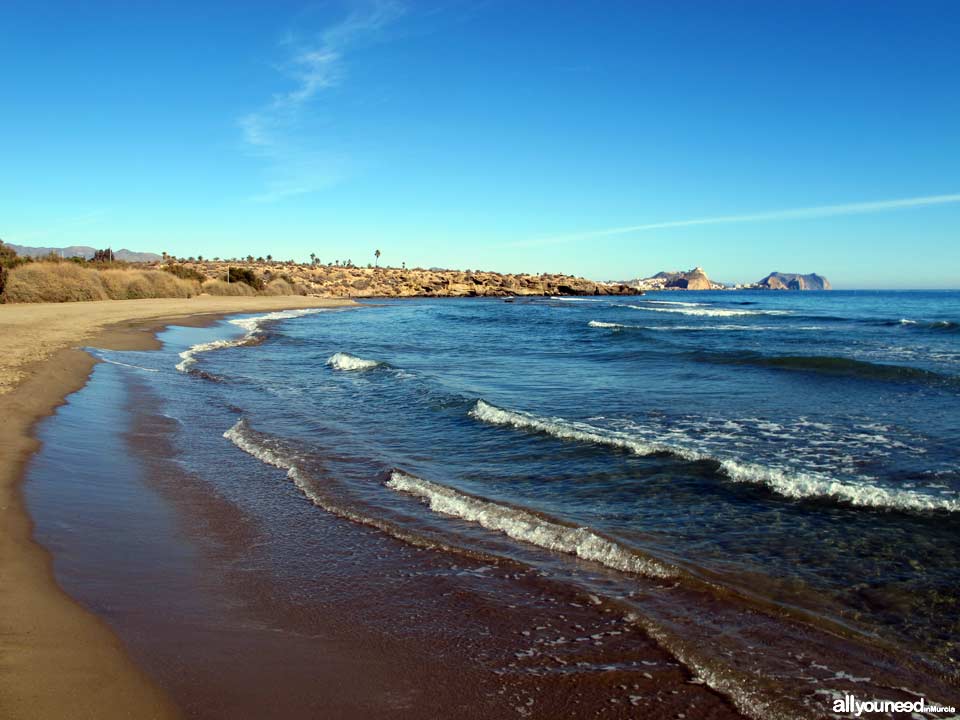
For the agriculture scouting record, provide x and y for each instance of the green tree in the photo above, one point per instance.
(376, 256)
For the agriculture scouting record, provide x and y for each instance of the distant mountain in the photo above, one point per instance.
(83, 251)
(794, 281)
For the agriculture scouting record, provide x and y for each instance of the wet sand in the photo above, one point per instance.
(57, 660)
(358, 625)
(300, 613)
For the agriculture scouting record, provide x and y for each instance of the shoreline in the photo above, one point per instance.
(59, 659)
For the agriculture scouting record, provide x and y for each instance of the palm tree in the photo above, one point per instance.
(269, 258)
(376, 256)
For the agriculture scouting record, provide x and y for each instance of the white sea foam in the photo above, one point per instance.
(715, 327)
(577, 299)
(253, 326)
(708, 312)
(530, 527)
(789, 483)
(346, 362)
(600, 324)
(695, 328)
(673, 302)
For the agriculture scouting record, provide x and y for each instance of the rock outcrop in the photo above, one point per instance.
(695, 279)
(340, 281)
(793, 281)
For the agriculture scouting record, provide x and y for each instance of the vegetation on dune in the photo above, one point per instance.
(68, 281)
(183, 272)
(246, 276)
(57, 279)
(219, 287)
(54, 279)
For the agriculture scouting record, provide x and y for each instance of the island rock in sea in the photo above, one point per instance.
(793, 281)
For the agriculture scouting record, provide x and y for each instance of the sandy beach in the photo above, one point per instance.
(56, 659)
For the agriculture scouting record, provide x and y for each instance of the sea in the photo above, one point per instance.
(742, 501)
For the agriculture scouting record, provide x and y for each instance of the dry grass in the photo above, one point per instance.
(68, 282)
(280, 287)
(219, 287)
(53, 282)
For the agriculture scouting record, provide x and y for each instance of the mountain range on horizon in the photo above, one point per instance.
(84, 251)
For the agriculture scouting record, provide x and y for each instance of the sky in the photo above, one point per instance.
(605, 139)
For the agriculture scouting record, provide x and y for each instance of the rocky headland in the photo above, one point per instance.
(695, 279)
(352, 281)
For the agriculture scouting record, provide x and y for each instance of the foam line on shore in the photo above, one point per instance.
(267, 450)
(792, 484)
(530, 527)
(253, 327)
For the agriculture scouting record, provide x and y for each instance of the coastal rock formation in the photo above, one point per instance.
(793, 281)
(350, 281)
(695, 279)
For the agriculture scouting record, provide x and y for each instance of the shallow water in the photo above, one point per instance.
(766, 484)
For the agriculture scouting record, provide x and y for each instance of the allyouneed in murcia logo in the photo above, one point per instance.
(849, 704)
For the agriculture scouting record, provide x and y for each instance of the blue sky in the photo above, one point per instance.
(511, 136)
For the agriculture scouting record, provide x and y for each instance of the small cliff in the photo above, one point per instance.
(695, 279)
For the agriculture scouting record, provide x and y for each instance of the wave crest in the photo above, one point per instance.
(348, 363)
(707, 312)
(253, 326)
(792, 484)
(527, 526)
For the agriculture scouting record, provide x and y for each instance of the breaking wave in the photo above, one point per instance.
(613, 326)
(253, 326)
(268, 450)
(346, 362)
(708, 312)
(528, 526)
(792, 484)
(938, 325)
(674, 302)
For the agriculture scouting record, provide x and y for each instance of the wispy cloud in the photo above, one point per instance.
(274, 132)
(791, 214)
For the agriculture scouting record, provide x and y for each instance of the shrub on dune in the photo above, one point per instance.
(137, 284)
(69, 281)
(166, 285)
(53, 282)
(279, 287)
(219, 287)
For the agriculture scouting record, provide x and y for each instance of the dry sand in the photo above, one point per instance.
(57, 660)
